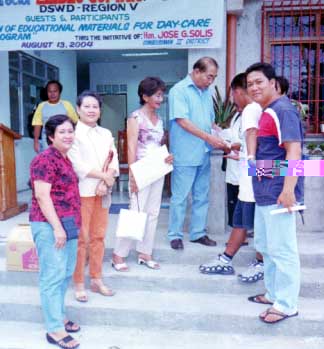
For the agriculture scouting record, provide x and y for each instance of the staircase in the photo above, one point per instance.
(175, 307)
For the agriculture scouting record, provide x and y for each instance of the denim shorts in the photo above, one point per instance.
(244, 215)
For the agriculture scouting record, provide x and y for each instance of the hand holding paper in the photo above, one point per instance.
(169, 159)
(285, 210)
(221, 139)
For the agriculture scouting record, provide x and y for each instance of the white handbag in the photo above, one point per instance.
(131, 224)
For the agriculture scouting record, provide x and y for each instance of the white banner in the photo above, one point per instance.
(110, 24)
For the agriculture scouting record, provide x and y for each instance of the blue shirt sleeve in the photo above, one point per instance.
(212, 111)
(290, 125)
(179, 107)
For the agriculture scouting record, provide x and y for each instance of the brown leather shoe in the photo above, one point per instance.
(176, 244)
(205, 240)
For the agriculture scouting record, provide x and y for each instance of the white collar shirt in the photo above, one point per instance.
(89, 152)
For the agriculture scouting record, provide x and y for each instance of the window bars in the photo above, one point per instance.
(293, 41)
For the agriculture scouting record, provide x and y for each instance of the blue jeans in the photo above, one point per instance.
(56, 269)
(185, 179)
(275, 238)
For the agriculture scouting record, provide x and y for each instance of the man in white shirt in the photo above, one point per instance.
(232, 135)
(243, 218)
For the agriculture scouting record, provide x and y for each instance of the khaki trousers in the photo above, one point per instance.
(92, 234)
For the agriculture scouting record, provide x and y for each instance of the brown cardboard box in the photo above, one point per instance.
(21, 251)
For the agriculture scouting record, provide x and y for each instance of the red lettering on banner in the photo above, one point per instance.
(57, 2)
(119, 1)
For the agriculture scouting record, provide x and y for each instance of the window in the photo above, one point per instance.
(293, 43)
(28, 75)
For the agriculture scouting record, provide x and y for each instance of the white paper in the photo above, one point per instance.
(285, 210)
(152, 167)
(225, 135)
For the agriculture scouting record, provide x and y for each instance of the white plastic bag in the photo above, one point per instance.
(131, 224)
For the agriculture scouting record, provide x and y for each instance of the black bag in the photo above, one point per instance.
(224, 164)
(70, 227)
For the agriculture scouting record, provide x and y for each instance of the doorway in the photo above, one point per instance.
(114, 113)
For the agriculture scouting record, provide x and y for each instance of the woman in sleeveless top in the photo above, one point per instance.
(144, 133)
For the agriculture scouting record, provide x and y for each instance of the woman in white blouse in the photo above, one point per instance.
(95, 161)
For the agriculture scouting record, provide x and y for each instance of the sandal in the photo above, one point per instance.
(280, 316)
(217, 269)
(120, 266)
(217, 266)
(258, 299)
(70, 327)
(254, 272)
(101, 289)
(62, 342)
(81, 296)
(149, 263)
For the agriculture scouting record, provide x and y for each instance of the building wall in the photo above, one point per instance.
(66, 61)
(131, 73)
(249, 35)
(219, 54)
(4, 88)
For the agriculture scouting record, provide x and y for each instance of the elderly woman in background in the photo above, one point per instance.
(53, 106)
(95, 160)
(144, 132)
(55, 200)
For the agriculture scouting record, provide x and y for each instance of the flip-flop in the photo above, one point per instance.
(69, 327)
(257, 299)
(120, 266)
(281, 316)
(62, 342)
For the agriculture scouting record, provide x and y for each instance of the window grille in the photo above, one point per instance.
(28, 75)
(293, 42)
(112, 89)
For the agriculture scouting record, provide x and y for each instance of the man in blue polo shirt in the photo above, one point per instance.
(279, 138)
(191, 119)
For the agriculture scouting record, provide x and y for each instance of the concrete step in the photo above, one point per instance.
(170, 310)
(173, 277)
(310, 250)
(109, 337)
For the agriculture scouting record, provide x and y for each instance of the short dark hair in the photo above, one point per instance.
(265, 68)
(53, 122)
(149, 86)
(56, 82)
(204, 62)
(88, 93)
(239, 81)
(283, 84)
